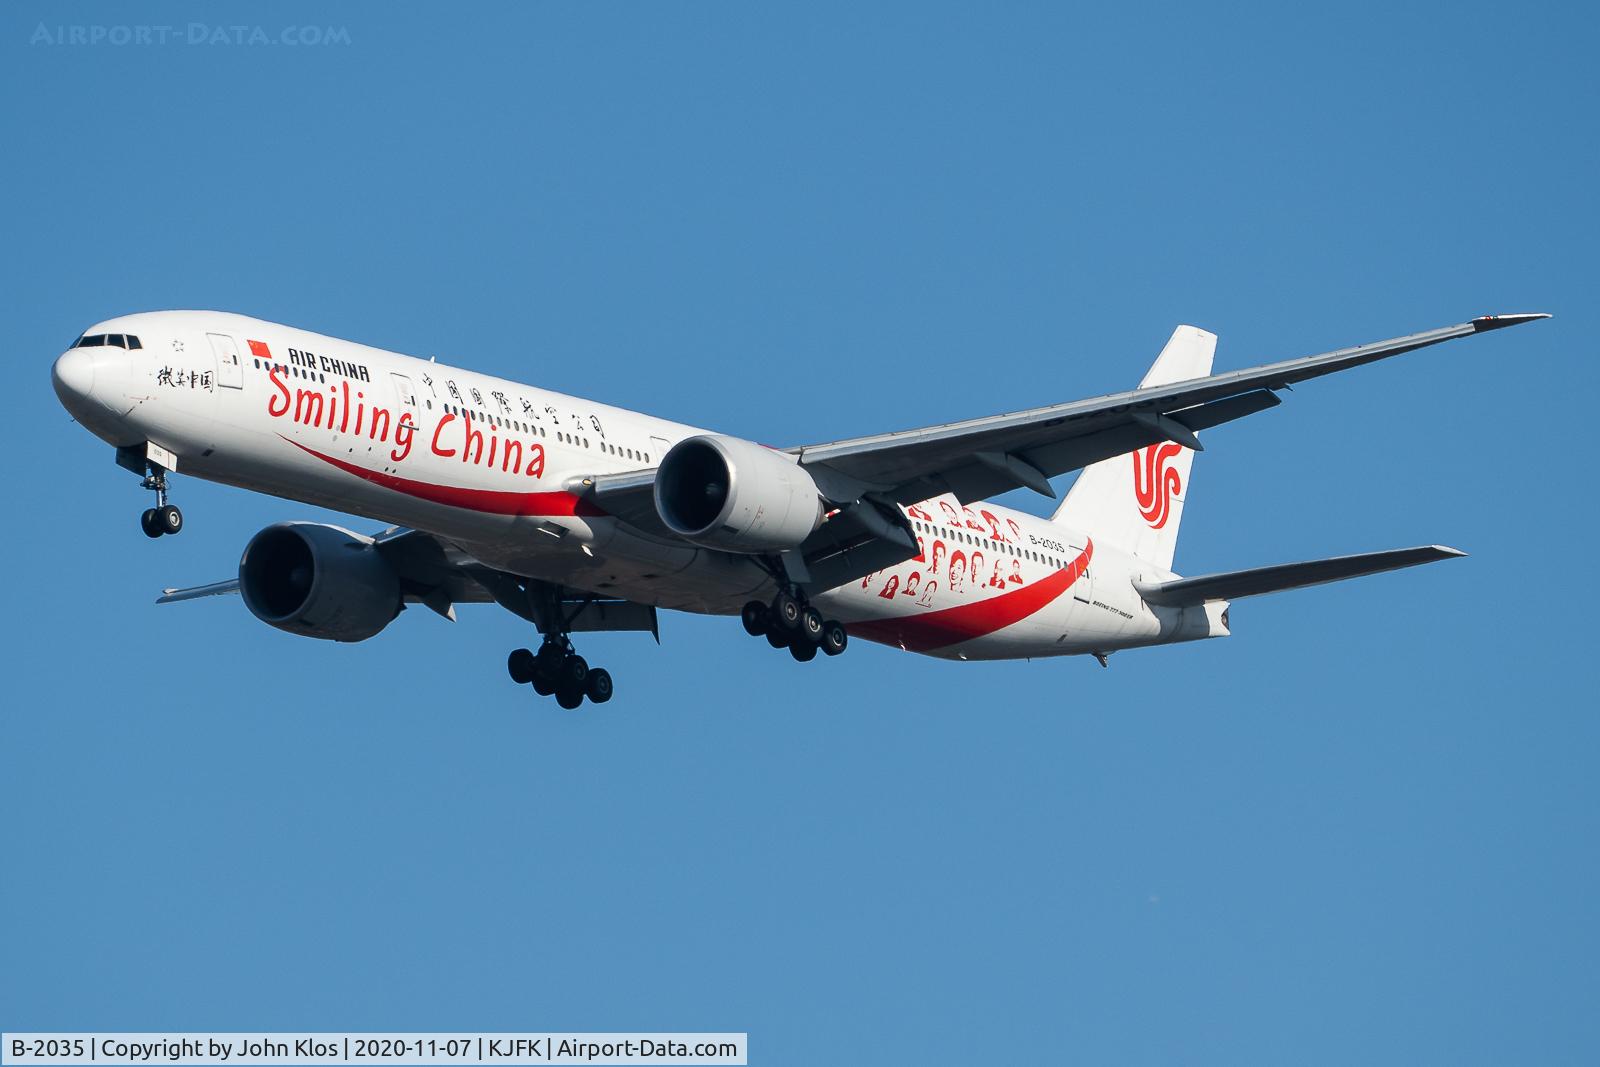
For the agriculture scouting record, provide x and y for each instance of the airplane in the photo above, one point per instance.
(580, 517)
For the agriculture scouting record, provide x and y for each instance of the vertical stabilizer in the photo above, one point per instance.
(1135, 500)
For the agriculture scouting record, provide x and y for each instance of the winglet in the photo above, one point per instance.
(1484, 323)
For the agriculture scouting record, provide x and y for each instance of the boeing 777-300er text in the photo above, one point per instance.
(579, 517)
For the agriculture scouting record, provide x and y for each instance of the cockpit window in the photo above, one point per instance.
(100, 340)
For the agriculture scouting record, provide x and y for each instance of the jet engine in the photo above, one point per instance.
(723, 492)
(318, 581)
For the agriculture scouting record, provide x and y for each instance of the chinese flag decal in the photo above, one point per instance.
(260, 350)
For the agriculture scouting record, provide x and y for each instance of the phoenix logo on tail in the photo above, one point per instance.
(1155, 482)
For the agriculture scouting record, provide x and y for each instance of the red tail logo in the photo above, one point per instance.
(1155, 482)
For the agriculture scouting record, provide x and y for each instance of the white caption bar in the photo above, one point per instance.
(372, 1049)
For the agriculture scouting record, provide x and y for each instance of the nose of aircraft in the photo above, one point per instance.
(73, 375)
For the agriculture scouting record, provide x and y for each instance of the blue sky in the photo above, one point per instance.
(1360, 830)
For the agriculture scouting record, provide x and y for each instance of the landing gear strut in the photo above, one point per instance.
(791, 622)
(164, 518)
(558, 669)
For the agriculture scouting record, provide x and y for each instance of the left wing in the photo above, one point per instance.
(435, 573)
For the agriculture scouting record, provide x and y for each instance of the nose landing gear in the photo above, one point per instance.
(789, 622)
(164, 518)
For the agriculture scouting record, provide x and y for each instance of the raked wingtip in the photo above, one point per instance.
(1484, 323)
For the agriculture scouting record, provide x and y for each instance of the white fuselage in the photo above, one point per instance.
(485, 463)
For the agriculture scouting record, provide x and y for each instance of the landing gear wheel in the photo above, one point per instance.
(777, 638)
(557, 669)
(164, 518)
(834, 638)
(754, 616)
(520, 665)
(786, 612)
(804, 651)
(811, 624)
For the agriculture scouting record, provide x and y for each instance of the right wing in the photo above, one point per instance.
(978, 458)
(868, 479)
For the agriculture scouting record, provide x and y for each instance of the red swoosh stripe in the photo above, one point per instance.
(490, 501)
(964, 622)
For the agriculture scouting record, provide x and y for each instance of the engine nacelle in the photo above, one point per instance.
(723, 492)
(318, 581)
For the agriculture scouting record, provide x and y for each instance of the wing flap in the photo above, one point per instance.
(1232, 585)
(971, 478)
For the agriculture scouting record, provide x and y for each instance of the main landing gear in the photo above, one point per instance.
(164, 518)
(789, 622)
(558, 669)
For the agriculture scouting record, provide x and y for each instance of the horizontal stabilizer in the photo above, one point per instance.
(1231, 585)
(176, 596)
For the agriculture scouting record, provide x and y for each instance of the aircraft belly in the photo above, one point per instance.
(637, 568)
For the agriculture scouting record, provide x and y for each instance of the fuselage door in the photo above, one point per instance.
(230, 371)
(408, 396)
(658, 448)
(1083, 588)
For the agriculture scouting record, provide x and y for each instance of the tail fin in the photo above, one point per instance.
(1135, 500)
